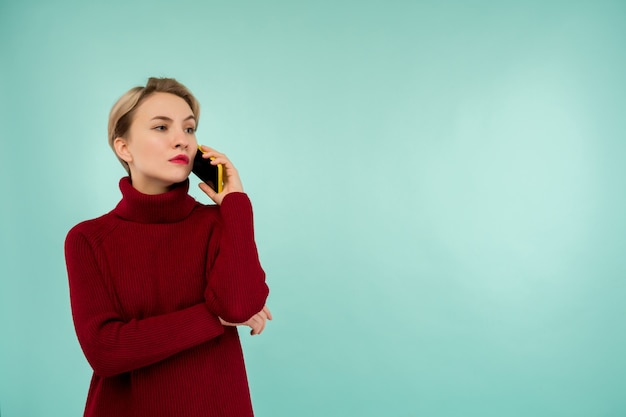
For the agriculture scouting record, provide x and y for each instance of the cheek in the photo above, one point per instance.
(145, 151)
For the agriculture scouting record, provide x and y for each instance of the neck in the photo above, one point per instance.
(167, 207)
(150, 187)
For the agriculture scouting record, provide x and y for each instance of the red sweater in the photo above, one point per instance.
(148, 282)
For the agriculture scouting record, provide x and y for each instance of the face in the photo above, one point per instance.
(160, 144)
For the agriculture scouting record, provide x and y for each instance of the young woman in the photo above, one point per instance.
(159, 284)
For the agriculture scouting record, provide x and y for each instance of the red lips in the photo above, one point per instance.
(180, 159)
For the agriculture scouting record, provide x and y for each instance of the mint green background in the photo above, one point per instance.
(438, 189)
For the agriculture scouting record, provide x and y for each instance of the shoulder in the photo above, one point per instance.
(94, 230)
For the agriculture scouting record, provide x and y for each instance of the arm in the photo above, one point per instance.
(236, 289)
(113, 345)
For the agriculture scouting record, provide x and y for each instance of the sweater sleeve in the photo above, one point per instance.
(236, 288)
(113, 345)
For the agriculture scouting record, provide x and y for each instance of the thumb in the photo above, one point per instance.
(208, 191)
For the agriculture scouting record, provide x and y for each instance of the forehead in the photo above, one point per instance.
(164, 104)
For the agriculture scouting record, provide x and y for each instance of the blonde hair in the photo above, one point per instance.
(121, 115)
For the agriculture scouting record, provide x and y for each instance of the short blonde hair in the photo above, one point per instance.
(121, 115)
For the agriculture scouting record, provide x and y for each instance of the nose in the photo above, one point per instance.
(181, 141)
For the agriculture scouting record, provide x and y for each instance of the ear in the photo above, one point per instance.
(121, 149)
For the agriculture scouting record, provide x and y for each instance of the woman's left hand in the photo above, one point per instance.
(232, 182)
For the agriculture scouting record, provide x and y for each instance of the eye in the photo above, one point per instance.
(190, 130)
(160, 127)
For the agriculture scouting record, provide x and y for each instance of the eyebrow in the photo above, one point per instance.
(169, 119)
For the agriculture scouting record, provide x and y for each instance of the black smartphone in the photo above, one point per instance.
(210, 174)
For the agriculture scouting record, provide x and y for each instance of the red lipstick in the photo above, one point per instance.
(180, 159)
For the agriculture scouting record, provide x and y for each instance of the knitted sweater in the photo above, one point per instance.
(148, 282)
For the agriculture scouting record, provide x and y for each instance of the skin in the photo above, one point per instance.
(162, 129)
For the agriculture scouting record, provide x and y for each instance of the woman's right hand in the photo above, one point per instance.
(256, 322)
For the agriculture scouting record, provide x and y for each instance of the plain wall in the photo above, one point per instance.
(438, 191)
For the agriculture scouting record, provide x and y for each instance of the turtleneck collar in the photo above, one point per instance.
(169, 207)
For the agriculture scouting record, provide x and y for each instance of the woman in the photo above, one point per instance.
(159, 284)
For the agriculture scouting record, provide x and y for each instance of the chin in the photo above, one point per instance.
(179, 178)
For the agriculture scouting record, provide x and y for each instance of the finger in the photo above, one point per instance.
(207, 190)
(265, 313)
(208, 152)
(264, 324)
(222, 160)
(210, 192)
(261, 327)
(253, 324)
(257, 329)
(259, 323)
(268, 313)
(207, 149)
(215, 157)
